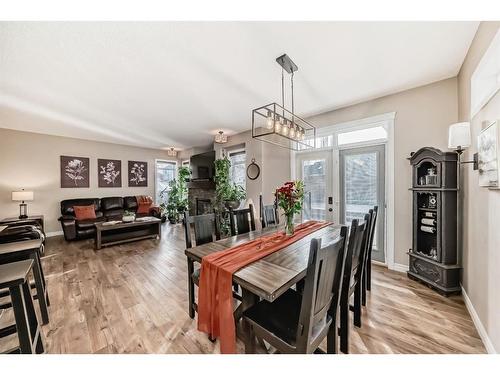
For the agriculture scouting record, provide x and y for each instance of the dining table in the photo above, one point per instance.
(267, 278)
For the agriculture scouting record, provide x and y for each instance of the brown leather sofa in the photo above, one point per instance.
(109, 208)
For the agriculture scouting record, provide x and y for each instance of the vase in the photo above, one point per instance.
(289, 225)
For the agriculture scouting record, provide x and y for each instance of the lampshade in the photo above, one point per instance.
(459, 136)
(22, 195)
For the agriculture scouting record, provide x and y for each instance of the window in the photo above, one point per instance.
(362, 135)
(165, 172)
(237, 173)
(314, 175)
(321, 142)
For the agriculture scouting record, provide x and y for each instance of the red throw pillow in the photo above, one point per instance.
(84, 212)
(143, 208)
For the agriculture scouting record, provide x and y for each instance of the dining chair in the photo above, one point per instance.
(352, 281)
(242, 220)
(298, 322)
(367, 275)
(205, 230)
(269, 216)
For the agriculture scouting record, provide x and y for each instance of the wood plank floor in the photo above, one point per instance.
(132, 298)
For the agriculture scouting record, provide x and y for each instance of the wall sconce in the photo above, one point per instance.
(459, 140)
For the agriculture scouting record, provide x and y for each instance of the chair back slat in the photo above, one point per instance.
(359, 257)
(242, 220)
(205, 229)
(355, 240)
(322, 286)
(373, 228)
(269, 216)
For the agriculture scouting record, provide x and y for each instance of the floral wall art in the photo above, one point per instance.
(74, 172)
(109, 173)
(137, 173)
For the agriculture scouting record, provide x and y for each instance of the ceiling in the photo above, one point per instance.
(163, 84)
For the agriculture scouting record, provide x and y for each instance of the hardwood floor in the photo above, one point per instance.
(132, 298)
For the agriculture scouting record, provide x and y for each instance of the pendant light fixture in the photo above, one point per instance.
(220, 137)
(171, 152)
(275, 124)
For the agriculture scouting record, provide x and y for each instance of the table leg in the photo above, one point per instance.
(248, 300)
(97, 241)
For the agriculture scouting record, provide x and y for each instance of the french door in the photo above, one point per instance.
(362, 186)
(316, 170)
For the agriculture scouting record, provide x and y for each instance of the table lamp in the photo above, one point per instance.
(21, 196)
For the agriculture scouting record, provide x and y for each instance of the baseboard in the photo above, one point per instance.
(399, 267)
(53, 234)
(478, 324)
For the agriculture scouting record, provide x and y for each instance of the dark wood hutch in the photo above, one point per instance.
(434, 253)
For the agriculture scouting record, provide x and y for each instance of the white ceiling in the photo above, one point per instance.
(175, 84)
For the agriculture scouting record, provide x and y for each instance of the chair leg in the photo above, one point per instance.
(369, 272)
(40, 290)
(357, 303)
(331, 340)
(34, 327)
(363, 287)
(191, 302)
(22, 324)
(249, 339)
(344, 325)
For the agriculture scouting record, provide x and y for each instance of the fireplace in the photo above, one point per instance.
(201, 196)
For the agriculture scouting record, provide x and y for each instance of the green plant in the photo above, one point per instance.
(225, 191)
(177, 194)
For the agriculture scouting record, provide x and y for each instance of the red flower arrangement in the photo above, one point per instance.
(290, 198)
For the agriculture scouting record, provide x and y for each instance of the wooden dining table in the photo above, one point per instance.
(269, 277)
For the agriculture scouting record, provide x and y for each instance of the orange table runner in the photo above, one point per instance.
(215, 296)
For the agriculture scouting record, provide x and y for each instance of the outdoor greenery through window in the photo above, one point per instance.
(237, 172)
(165, 172)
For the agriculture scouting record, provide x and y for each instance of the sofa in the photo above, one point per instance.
(106, 209)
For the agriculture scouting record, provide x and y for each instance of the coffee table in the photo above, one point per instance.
(107, 235)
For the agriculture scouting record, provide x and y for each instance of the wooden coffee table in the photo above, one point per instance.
(107, 235)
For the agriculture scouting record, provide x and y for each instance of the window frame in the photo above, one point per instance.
(176, 169)
(238, 151)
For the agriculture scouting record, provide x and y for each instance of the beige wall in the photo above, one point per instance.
(423, 115)
(481, 234)
(31, 161)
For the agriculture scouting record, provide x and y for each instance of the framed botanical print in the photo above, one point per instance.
(75, 172)
(489, 156)
(109, 173)
(137, 173)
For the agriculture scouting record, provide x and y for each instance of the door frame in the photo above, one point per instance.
(387, 120)
(329, 165)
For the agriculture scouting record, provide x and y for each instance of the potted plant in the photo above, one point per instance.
(128, 216)
(177, 194)
(290, 198)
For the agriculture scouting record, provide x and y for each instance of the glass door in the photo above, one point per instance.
(315, 169)
(362, 186)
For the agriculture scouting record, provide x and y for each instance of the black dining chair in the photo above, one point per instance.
(206, 230)
(352, 281)
(298, 322)
(242, 220)
(269, 216)
(367, 275)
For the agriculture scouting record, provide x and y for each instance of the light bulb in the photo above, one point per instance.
(277, 126)
(292, 131)
(284, 128)
(270, 121)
